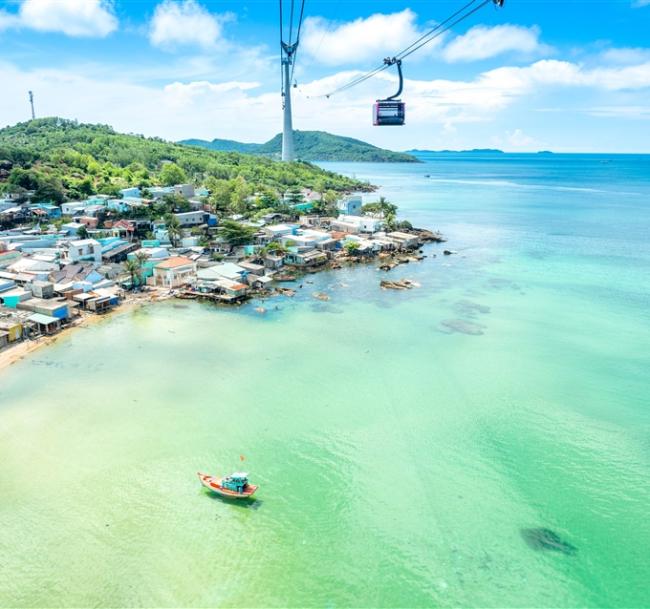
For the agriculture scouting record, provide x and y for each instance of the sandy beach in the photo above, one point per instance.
(18, 351)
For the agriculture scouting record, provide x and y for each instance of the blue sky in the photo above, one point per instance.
(565, 76)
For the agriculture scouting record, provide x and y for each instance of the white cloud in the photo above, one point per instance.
(481, 42)
(361, 40)
(625, 55)
(80, 18)
(437, 110)
(184, 23)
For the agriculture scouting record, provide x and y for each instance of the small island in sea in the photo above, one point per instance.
(90, 219)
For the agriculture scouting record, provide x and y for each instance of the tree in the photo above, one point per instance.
(236, 233)
(351, 247)
(82, 232)
(174, 231)
(385, 208)
(172, 174)
(132, 267)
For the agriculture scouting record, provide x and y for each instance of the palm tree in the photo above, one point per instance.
(174, 231)
(132, 267)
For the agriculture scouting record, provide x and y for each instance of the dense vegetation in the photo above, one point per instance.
(313, 146)
(62, 160)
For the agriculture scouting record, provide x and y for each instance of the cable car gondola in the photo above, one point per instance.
(390, 111)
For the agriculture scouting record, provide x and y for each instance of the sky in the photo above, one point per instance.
(567, 76)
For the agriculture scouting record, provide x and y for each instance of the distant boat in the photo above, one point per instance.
(235, 486)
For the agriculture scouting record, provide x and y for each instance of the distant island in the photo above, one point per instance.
(311, 146)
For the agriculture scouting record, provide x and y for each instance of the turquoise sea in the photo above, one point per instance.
(404, 442)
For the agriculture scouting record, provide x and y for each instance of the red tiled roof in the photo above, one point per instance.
(174, 262)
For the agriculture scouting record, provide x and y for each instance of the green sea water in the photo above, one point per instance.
(401, 440)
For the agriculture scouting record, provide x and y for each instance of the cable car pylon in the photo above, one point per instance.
(288, 152)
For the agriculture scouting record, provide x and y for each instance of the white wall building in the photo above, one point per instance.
(82, 250)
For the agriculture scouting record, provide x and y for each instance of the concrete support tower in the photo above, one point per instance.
(31, 103)
(287, 125)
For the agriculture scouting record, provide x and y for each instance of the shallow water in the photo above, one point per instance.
(404, 442)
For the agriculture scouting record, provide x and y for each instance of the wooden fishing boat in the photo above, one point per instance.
(235, 486)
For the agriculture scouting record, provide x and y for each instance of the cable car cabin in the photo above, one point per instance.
(388, 112)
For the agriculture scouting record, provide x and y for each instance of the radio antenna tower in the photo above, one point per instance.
(31, 103)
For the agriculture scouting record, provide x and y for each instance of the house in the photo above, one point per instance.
(53, 307)
(405, 240)
(12, 298)
(119, 253)
(158, 192)
(306, 259)
(229, 290)
(82, 277)
(252, 268)
(226, 270)
(45, 324)
(123, 228)
(11, 325)
(174, 272)
(350, 206)
(81, 250)
(192, 218)
(88, 221)
(275, 231)
(184, 190)
(42, 289)
(133, 192)
(72, 207)
(71, 228)
(357, 224)
(273, 262)
(48, 209)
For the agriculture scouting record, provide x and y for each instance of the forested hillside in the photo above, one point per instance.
(313, 146)
(62, 159)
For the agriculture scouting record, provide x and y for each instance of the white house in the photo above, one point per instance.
(72, 207)
(174, 272)
(81, 250)
(357, 224)
(350, 206)
(191, 218)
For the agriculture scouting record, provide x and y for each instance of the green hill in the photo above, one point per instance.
(312, 146)
(62, 159)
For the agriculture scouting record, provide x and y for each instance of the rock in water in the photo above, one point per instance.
(462, 326)
(545, 539)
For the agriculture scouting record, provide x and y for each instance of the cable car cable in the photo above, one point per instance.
(425, 39)
(295, 54)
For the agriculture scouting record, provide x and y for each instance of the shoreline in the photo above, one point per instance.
(388, 260)
(18, 351)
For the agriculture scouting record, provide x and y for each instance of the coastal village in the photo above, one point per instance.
(60, 264)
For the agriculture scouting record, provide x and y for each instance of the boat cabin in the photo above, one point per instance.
(236, 482)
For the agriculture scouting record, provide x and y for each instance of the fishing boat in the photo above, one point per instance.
(235, 486)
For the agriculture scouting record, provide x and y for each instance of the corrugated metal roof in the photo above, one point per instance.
(39, 318)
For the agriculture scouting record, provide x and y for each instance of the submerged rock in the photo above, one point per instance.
(321, 296)
(545, 539)
(462, 326)
(470, 309)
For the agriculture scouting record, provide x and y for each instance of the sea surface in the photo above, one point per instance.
(405, 443)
